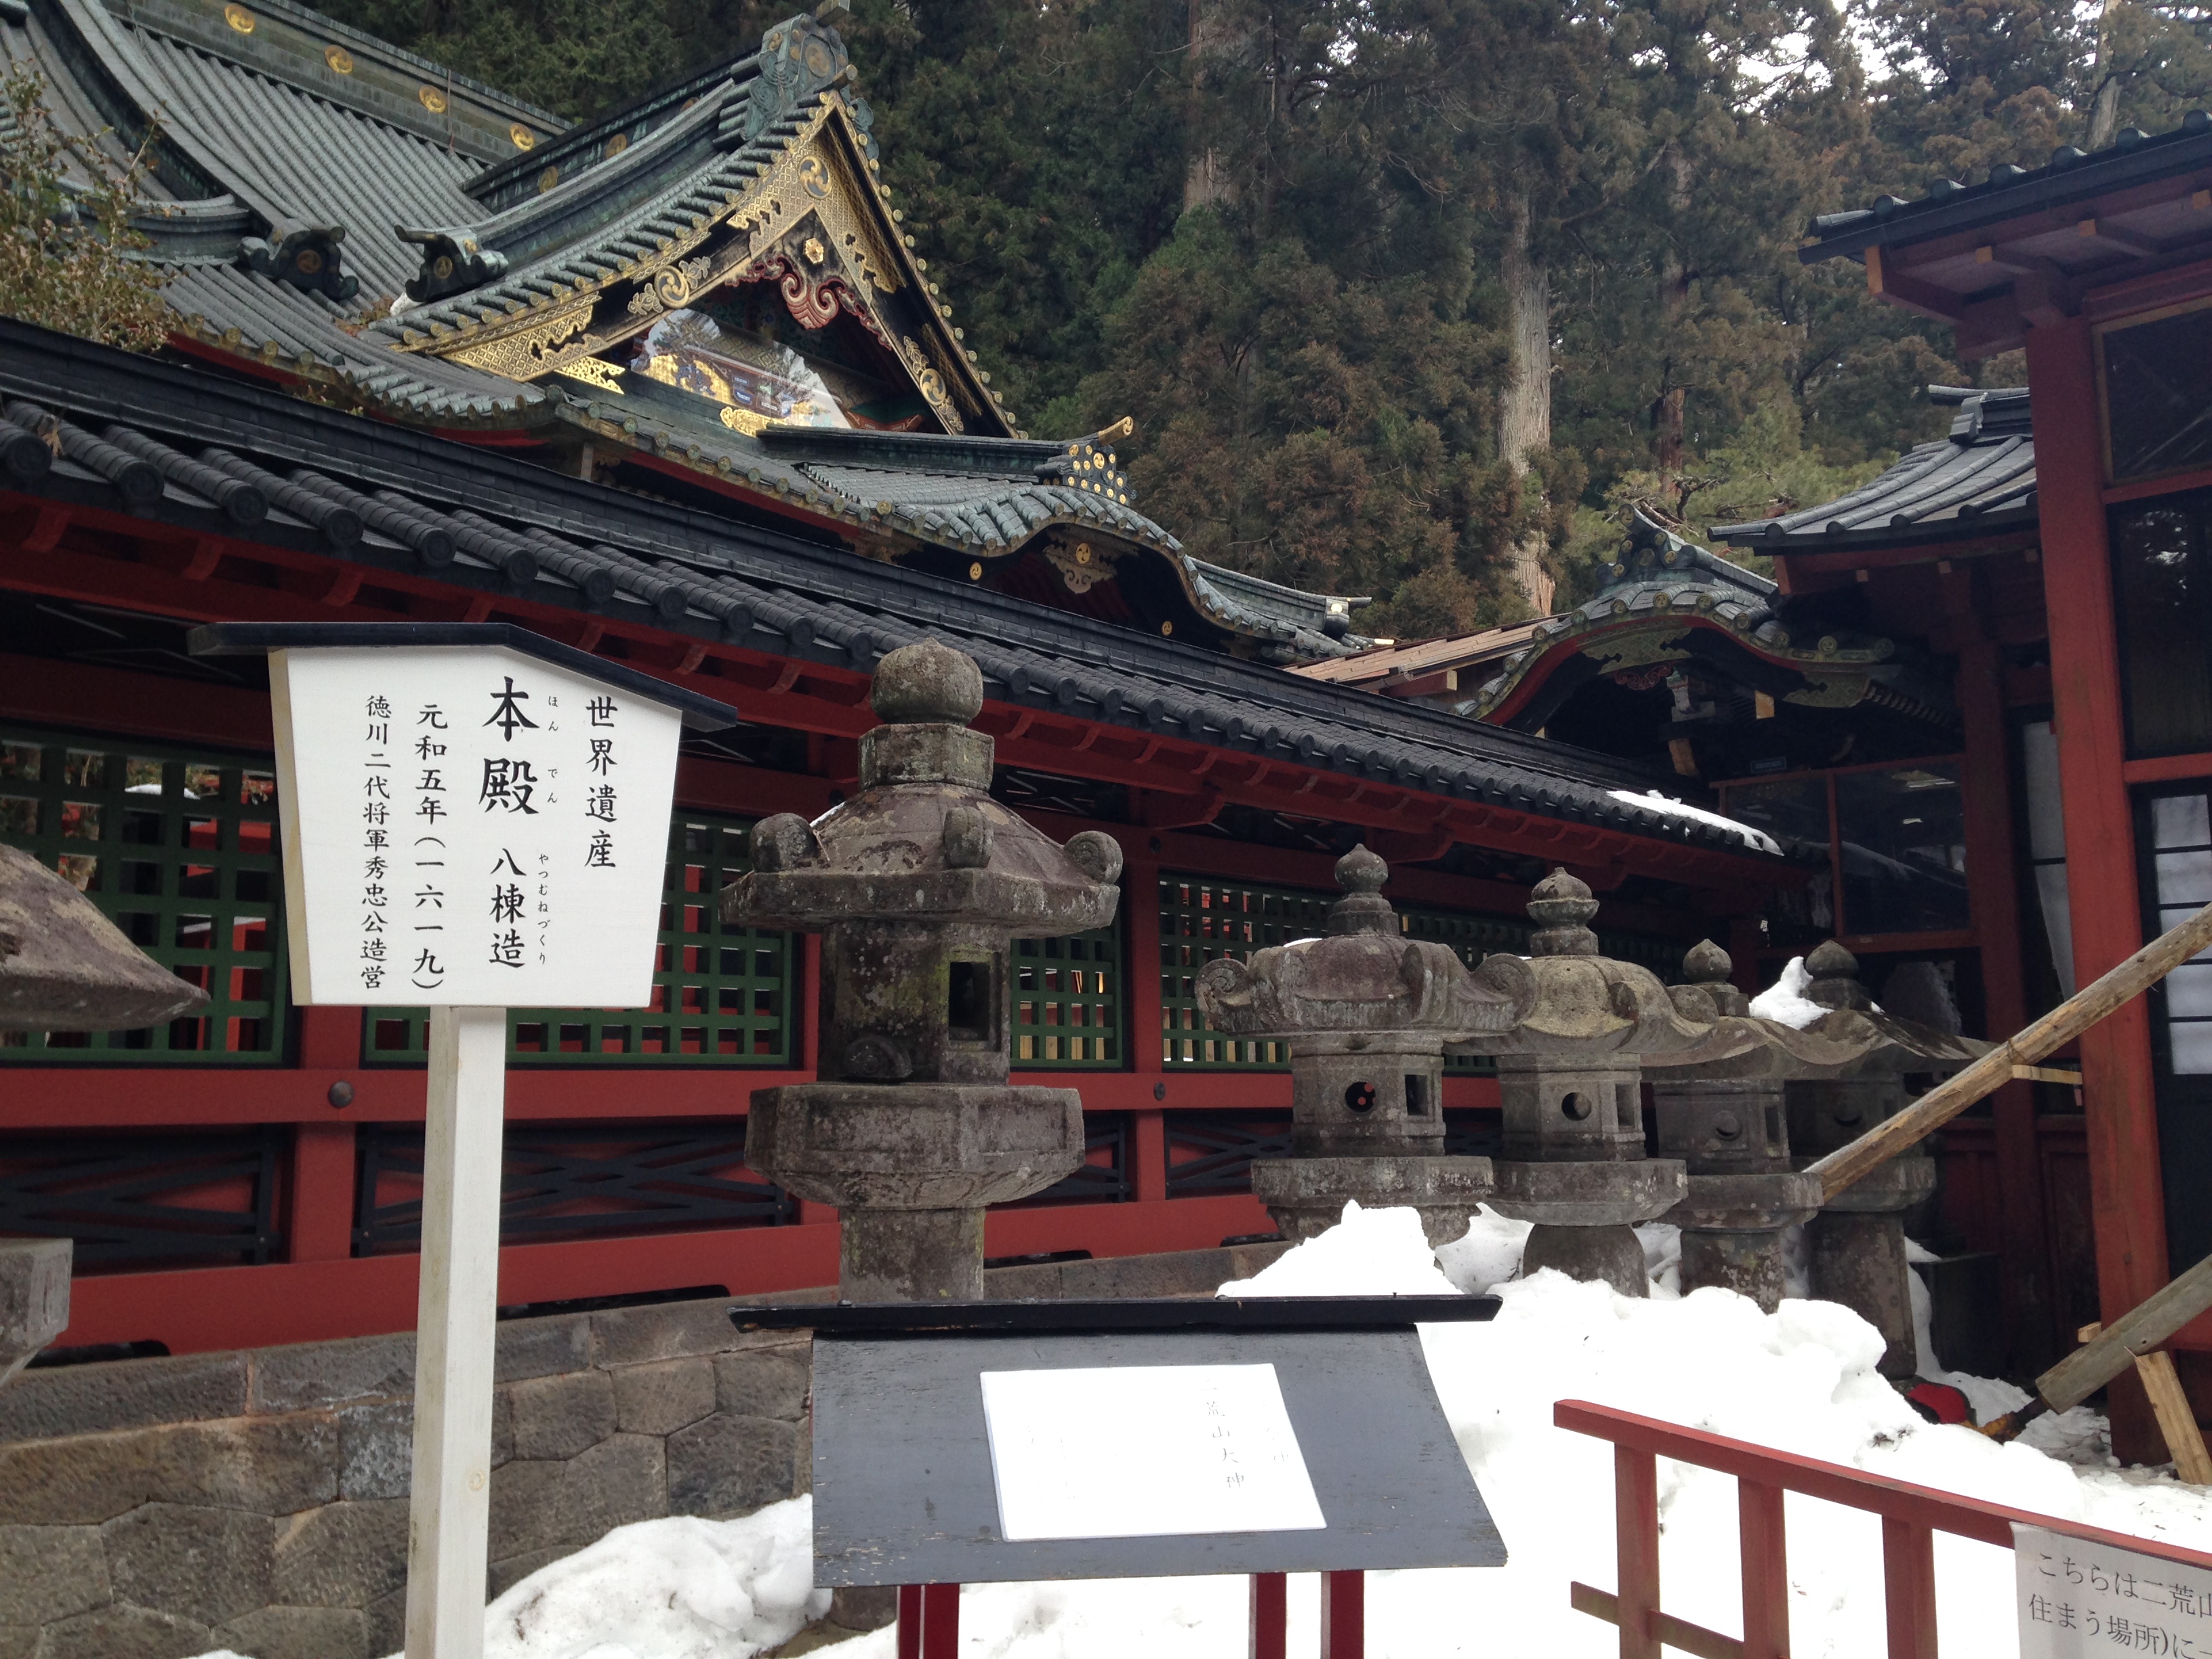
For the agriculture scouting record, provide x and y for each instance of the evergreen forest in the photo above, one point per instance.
(1416, 298)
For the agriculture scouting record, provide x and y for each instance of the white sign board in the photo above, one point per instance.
(470, 826)
(2077, 1598)
(1196, 1448)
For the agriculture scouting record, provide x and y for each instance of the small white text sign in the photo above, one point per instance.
(468, 825)
(1196, 1448)
(2078, 1598)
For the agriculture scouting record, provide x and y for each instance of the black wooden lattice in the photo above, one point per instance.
(1210, 1153)
(586, 1180)
(140, 1198)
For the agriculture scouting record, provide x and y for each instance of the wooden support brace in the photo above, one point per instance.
(1908, 1579)
(2169, 1403)
(1636, 1523)
(1763, 1543)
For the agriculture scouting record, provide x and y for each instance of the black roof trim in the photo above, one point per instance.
(700, 713)
(2133, 158)
(476, 519)
(1140, 1313)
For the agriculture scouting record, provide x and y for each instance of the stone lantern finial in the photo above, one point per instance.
(1707, 967)
(927, 683)
(1561, 907)
(1363, 909)
(1835, 973)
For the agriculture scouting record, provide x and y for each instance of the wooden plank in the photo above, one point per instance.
(2175, 1421)
(1762, 1542)
(2141, 1328)
(449, 1517)
(1908, 1578)
(1840, 1168)
(1674, 1633)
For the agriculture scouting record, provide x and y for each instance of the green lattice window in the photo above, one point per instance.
(1067, 1001)
(720, 996)
(1201, 919)
(179, 848)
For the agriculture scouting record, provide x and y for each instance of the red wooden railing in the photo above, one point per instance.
(1910, 1517)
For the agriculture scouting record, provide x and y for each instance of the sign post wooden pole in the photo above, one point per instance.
(449, 1513)
(475, 818)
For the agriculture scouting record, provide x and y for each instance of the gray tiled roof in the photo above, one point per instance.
(1980, 481)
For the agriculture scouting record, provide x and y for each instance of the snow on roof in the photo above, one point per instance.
(1667, 806)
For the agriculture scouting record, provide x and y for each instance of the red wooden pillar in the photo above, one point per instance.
(940, 1621)
(1140, 1020)
(1343, 1615)
(1636, 1525)
(321, 1185)
(1908, 1573)
(1993, 891)
(1271, 1616)
(1763, 1542)
(2126, 1196)
(909, 1621)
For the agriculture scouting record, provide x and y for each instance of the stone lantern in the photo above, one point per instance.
(1857, 1241)
(1569, 1074)
(917, 885)
(1366, 1014)
(63, 966)
(1721, 1109)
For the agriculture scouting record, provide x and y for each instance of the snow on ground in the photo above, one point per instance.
(1800, 1380)
(1667, 806)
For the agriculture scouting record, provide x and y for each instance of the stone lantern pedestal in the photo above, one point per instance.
(1857, 1240)
(918, 882)
(1366, 1014)
(1570, 1076)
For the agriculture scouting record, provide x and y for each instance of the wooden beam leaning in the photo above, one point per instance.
(1848, 1165)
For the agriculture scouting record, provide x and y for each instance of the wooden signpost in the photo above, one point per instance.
(970, 1443)
(474, 817)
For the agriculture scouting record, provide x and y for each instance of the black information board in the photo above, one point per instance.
(905, 1490)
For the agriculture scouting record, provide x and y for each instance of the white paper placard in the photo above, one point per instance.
(1194, 1449)
(2077, 1597)
(469, 825)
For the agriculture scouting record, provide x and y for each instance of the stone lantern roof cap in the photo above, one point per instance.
(65, 967)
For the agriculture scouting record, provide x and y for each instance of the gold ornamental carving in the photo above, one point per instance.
(528, 348)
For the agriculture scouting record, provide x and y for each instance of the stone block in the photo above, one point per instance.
(308, 1376)
(376, 1449)
(506, 1574)
(298, 1633)
(802, 1476)
(386, 1619)
(525, 1499)
(122, 1394)
(123, 1632)
(660, 1399)
(81, 1481)
(561, 1416)
(663, 1330)
(541, 1347)
(273, 1465)
(727, 1466)
(615, 1483)
(186, 1560)
(19, 1641)
(342, 1555)
(762, 1383)
(34, 1295)
(50, 1572)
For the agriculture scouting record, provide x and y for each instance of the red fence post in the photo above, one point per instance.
(1635, 1520)
(1908, 1571)
(1271, 1616)
(1765, 1570)
(909, 1621)
(1344, 1615)
(940, 1621)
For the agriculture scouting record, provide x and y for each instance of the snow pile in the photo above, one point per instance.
(1667, 806)
(1785, 1002)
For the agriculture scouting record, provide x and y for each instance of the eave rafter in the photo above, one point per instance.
(115, 559)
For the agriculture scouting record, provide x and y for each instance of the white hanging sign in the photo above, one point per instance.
(469, 825)
(2078, 1597)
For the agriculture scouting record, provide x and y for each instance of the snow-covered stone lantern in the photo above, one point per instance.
(1366, 1012)
(1570, 1078)
(917, 884)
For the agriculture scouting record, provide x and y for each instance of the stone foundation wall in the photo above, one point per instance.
(155, 1509)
